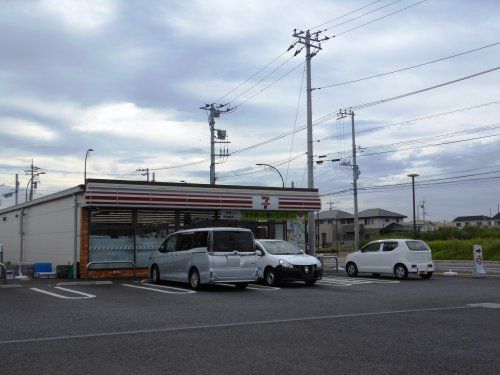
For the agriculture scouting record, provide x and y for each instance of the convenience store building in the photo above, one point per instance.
(109, 221)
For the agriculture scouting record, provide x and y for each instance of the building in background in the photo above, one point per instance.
(336, 228)
(473, 221)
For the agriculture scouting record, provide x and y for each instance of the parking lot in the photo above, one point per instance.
(341, 325)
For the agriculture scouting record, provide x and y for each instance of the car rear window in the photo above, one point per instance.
(225, 241)
(417, 246)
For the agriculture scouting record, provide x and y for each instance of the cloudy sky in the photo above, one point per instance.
(127, 78)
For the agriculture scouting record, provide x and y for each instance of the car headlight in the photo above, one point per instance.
(318, 264)
(285, 264)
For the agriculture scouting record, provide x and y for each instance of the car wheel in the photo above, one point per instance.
(194, 279)
(155, 275)
(376, 274)
(270, 277)
(400, 272)
(241, 285)
(426, 276)
(310, 282)
(351, 269)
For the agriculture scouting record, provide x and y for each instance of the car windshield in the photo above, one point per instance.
(226, 241)
(280, 247)
(417, 246)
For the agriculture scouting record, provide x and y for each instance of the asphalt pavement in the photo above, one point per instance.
(342, 325)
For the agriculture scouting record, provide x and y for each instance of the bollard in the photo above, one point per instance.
(477, 264)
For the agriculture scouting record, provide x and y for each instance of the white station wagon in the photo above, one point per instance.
(399, 257)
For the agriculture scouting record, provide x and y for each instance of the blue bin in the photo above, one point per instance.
(42, 267)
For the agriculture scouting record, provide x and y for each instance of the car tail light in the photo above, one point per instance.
(413, 266)
(430, 264)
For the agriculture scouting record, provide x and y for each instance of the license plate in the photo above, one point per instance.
(422, 272)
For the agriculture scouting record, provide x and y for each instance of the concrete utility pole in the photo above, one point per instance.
(17, 189)
(34, 180)
(423, 210)
(355, 174)
(309, 41)
(214, 112)
(413, 175)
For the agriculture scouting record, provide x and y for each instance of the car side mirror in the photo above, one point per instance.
(259, 252)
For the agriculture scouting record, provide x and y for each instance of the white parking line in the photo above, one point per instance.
(350, 281)
(85, 295)
(146, 282)
(154, 289)
(262, 287)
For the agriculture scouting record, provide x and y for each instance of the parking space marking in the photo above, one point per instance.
(146, 282)
(350, 281)
(155, 289)
(82, 294)
(262, 287)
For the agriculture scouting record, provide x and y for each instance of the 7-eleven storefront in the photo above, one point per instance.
(126, 221)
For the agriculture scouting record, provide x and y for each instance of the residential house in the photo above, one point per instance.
(337, 227)
(473, 221)
(496, 220)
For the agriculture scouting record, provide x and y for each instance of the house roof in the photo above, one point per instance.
(378, 212)
(472, 218)
(496, 217)
(334, 214)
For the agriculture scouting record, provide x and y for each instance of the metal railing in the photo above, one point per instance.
(327, 257)
(111, 262)
(3, 272)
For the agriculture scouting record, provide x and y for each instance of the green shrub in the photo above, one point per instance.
(462, 249)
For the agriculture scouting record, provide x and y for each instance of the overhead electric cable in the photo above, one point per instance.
(345, 15)
(362, 15)
(262, 79)
(407, 68)
(295, 122)
(377, 19)
(269, 85)
(371, 104)
(253, 75)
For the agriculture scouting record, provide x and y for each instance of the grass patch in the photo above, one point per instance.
(462, 249)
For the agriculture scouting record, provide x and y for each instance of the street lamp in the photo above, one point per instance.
(413, 175)
(273, 168)
(85, 167)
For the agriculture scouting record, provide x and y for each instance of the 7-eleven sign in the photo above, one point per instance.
(264, 202)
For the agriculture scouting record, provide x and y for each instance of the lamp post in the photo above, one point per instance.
(85, 167)
(273, 168)
(413, 175)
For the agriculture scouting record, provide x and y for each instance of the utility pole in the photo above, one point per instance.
(17, 188)
(214, 111)
(355, 174)
(34, 180)
(423, 210)
(309, 41)
(144, 172)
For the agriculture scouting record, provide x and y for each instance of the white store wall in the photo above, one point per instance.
(48, 232)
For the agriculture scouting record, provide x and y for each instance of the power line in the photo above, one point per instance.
(432, 145)
(238, 105)
(345, 15)
(262, 79)
(377, 19)
(295, 122)
(362, 15)
(253, 75)
(407, 68)
(377, 102)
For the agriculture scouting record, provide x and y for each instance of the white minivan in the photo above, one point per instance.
(206, 255)
(396, 256)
